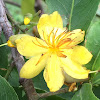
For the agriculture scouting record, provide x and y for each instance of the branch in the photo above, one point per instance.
(18, 59)
(44, 95)
(12, 3)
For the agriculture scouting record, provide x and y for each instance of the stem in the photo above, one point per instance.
(8, 72)
(71, 15)
(12, 3)
(94, 71)
(15, 23)
(44, 95)
(3, 44)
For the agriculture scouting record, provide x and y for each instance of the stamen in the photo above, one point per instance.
(41, 58)
(60, 35)
(40, 43)
(50, 36)
(45, 40)
(53, 37)
(63, 42)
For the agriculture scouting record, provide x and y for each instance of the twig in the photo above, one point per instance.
(14, 22)
(9, 70)
(12, 3)
(29, 89)
(43, 95)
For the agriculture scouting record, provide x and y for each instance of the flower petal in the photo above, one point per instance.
(32, 68)
(69, 79)
(79, 54)
(74, 37)
(26, 46)
(53, 74)
(74, 69)
(47, 22)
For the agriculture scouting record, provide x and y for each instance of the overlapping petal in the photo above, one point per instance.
(30, 46)
(69, 79)
(79, 54)
(53, 74)
(48, 22)
(33, 66)
(74, 69)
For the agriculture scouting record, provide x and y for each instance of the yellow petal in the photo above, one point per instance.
(79, 54)
(26, 46)
(53, 74)
(74, 69)
(15, 37)
(26, 20)
(32, 68)
(47, 22)
(69, 79)
(75, 37)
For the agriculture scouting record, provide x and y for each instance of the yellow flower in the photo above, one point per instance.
(57, 51)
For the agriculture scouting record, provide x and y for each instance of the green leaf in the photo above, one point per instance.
(96, 79)
(93, 45)
(85, 93)
(20, 92)
(96, 65)
(96, 91)
(3, 59)
(83, 12)
(6, 91)
(14, 78)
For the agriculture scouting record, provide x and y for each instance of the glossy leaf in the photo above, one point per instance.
(6, 91)
(93, 45)
(96, 91)
(96, 79)
(85, 93)
(83, 12)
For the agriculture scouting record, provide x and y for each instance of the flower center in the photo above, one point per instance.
(54, 42)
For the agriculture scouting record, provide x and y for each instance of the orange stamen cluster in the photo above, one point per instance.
(54, 42)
